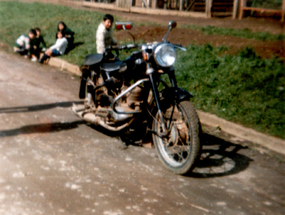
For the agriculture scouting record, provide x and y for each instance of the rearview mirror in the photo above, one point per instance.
(172, 24)
(124, 25)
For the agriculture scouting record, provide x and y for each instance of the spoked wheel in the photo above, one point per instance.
(179, 148)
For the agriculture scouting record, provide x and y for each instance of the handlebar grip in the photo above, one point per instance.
(111, 47)
(179, 46)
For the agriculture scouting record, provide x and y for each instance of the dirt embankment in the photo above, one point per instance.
(265, 49)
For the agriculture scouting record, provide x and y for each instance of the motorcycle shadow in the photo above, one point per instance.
(38, 107)
(219, 158)
(125, 138)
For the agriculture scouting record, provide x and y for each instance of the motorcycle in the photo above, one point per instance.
(139, 97)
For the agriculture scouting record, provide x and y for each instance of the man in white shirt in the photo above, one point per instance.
(104, 34)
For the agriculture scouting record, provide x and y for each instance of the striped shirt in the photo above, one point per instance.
(23, 41)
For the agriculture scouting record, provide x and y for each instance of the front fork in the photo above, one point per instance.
(150, 72)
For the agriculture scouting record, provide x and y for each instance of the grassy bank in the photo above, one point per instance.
(242, 88)
(17, 18)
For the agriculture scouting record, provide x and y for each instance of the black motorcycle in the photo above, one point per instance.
(139, 96)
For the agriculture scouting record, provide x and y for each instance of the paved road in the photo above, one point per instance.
(53, 163)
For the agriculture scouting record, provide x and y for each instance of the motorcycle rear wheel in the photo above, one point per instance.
(178, 150)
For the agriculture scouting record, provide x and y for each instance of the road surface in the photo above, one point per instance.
(53, 163)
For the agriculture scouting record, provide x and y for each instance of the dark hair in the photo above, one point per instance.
(33, 31)
(37, 29)
(60, 32)
(108, 16)
(64, 25)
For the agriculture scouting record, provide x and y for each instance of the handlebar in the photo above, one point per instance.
(129, 46)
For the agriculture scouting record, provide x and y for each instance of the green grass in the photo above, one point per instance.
(17, 18)
(271, 4)
(242, 88)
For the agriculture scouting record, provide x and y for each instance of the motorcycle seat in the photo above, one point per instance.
(92, 59)
(112, 66)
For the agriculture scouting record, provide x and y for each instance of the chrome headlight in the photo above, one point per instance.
(164, 55)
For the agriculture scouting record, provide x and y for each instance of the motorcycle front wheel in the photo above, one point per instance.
(180, 147)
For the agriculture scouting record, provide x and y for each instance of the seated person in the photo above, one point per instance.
(69, 34)
(36, 45)
(22, 44)
(57, 49)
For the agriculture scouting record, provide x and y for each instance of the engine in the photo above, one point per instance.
(104, 97)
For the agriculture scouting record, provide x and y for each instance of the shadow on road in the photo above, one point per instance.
(220, 158)
(38, 107)
(43, 127)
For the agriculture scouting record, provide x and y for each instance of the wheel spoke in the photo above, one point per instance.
(178, 150)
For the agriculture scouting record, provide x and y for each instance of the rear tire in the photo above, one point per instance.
(179, 150)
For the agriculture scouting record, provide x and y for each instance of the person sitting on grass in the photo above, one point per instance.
(57, 49)
(69, 34)
(22, 44)
(36, 45)
(104, 34)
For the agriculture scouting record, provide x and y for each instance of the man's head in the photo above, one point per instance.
(32, 34)
(108, 20)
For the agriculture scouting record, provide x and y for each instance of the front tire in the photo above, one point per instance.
(180, 148)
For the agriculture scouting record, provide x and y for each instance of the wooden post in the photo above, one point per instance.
(209, 8)
(242, 4)
(235, 8)
(181, 5)
(283, 11)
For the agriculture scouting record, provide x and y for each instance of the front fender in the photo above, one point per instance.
(173, 95)
(168, 97)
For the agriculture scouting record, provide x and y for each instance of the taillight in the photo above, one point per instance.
(128, 27)
(118, 27)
